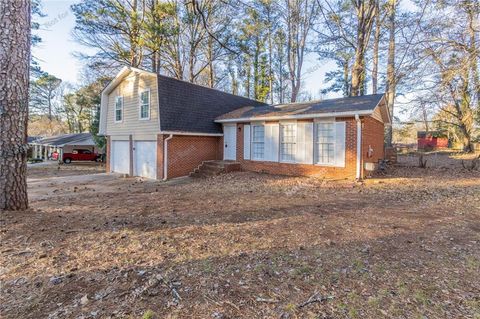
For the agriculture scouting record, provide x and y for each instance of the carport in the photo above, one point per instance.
(44, 148)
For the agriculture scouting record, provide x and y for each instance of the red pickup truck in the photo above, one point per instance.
(77, 155)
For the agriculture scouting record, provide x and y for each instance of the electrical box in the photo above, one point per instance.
(370, 167)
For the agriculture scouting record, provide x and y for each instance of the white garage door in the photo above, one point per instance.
(145, 159)
(120, 160)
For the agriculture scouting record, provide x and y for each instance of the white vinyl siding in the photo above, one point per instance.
(288, 142)
(130, 89)
(258, 142)
(145, 105)
(118, 109)
(325, 143)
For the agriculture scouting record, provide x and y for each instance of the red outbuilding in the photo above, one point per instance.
(433, 140)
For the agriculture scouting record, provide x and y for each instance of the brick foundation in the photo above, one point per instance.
(185, 153)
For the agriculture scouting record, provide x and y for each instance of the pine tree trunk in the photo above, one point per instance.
(211, 68)
(346, 81)
(357, 72)
(365, 15)
(256, 69)
(14, 83)
(391, 85)
(270, 61)
(376, 41)
(134, 35)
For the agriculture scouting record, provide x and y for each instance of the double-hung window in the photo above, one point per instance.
(325, 143)
(118, 109)
(288, 142)
(258, 142)
(145, 105)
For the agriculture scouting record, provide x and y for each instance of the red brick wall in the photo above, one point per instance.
(373, 136)
(185, 153)
(348, 171)
(220, 148)
(107, 155)
(160, 139)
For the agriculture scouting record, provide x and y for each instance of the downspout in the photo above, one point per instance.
(165, 156)
(359, 147)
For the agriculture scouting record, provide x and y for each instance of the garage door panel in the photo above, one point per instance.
(145, 159)
(120, 161)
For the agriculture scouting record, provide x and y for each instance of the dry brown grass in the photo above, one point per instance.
(404, 245)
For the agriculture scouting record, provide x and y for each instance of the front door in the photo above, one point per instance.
(229, 142)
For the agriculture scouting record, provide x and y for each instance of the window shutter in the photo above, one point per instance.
(304, 143)
(340, 144)
(272, 135)
(246, 142)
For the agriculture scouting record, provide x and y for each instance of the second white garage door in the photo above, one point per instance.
(145, 159)
(120, 161)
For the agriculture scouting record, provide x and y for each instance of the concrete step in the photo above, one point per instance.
(211, 170)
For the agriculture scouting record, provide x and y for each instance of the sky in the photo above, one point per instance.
(56, 51)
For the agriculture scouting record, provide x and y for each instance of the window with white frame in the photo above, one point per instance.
(288, 142)
(118, 109)
(325, 143)
(145, 105)
(258, 141)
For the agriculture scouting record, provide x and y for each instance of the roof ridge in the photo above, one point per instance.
(279, 105)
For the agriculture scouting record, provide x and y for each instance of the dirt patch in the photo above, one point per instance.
(403, 245)
(53, 169)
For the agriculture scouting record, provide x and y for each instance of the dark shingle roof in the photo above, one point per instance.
(31, 139)
(187, 107)
(341, 105)
(64, 139)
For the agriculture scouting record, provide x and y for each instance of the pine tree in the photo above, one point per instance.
(14, 84)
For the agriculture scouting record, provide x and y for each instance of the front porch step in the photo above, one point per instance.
(212, 168)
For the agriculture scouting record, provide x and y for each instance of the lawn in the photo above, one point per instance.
(244, 245)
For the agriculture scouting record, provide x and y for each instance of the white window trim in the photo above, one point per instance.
(282, 123)
(115, 109)
(252, 153)
(315, 143)
(140, 105)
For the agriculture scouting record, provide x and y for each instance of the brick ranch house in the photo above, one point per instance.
(160, 128)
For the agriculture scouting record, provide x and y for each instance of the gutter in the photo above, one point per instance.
(189, 133)
(359, 147)
(165, 156)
